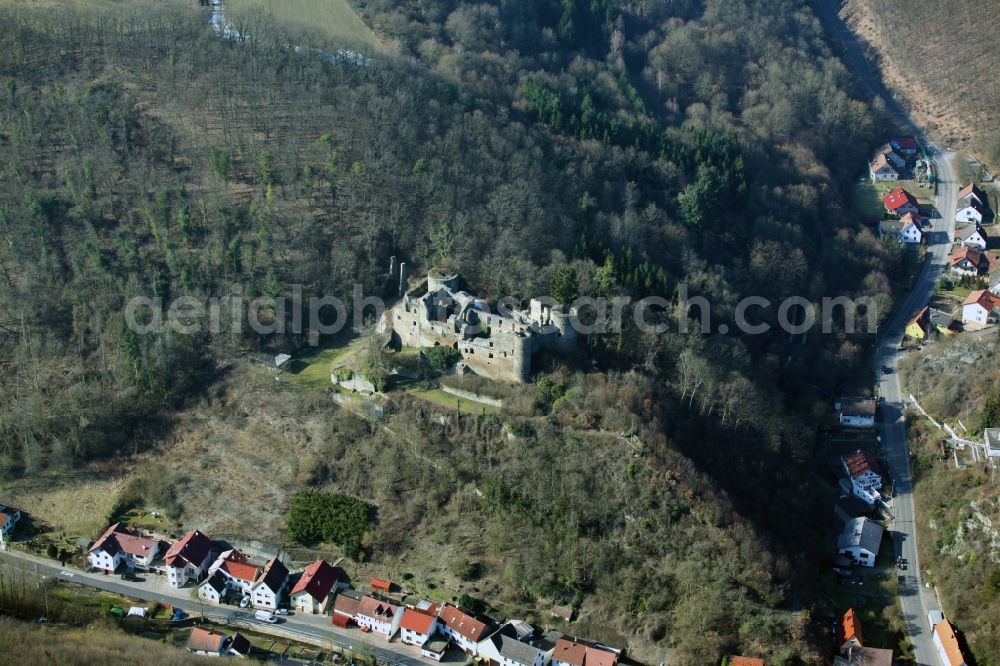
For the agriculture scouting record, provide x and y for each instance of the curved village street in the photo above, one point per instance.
(915, 598)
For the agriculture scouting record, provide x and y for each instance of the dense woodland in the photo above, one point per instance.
(642, 144)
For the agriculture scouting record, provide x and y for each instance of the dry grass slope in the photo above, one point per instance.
(943, 58)
(40, 645)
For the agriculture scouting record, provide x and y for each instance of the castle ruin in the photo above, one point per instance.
(494, 345)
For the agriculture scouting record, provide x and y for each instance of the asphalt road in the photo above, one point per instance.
(307, 627)
(915, 598)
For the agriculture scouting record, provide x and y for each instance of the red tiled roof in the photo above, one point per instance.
(237, 566)
(898, 197)
(569, 652)
(906, 142)
(318, 579)
(946, 634)
(192, 549)
(577, 654)
(860, 462)
(745, 661)
(462, 623)
(417, 620)
(117, 539)
(850, 628)
(381, 584)
(974, 256)
(376, 608)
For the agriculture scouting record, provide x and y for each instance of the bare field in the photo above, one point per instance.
(941, 60)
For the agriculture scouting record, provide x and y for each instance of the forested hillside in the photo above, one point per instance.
(941, 57)
(645, 145)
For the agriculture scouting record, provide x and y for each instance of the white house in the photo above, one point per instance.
(240, 575)
(973, 212)
(860, 541)
(381, 617)
(206, 643)
(972, 194)
(213, 589)
(187, 559)
(856, 412)
(947, 645)
(881, 170)
(910, 232)
(890, 154)
(269, 588)
(509, 647)
(973, 235)
(980, 308)
(8, 518)
(968, 261)
(464, 630)
(120, 545)
(417, 626)
(865, 475)
(572, 651)
(311, 592)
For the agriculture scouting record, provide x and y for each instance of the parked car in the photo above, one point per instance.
(244, 602)
(281, 611)
(265, 616)
(178, 615)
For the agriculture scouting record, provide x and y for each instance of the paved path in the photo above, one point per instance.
(915, 598)
(313, 629)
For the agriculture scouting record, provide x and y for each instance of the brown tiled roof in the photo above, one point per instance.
(274, 575)
(118, 538)
(984, 298)
(318, 579)
(860, 462)
(971, 189)
(192, 549)
(462, 623)
(346, 605)
(880, 162)
(205, 640)
(376, 608)
(974, 256)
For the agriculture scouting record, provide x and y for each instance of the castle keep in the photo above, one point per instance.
(497, 346)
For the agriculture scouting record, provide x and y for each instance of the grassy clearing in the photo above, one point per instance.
(867, 199)
(76, 503)
(312, 371)
(333, 17)
(442, 399)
